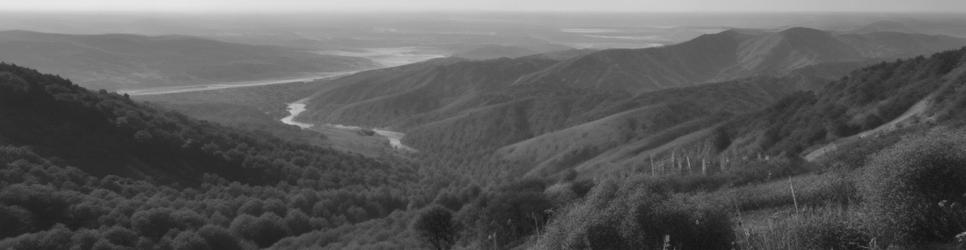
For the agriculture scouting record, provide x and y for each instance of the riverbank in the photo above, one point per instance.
(394, 137)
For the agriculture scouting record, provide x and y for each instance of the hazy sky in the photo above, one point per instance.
(489, 5)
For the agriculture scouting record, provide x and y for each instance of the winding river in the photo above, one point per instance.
(385, 57)
(297, 107)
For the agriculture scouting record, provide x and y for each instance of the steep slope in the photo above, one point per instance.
(489, 127)
(394, 96)
(104, 133)
(897, 94)
(87, 170)
(118, 61)
(730, 55)
(858, 112)
(648, 117)
(409, 96)
(459, 107)
(690, 127)
(528, 111)
(260, 108)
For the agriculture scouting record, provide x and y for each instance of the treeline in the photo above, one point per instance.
(46, 206)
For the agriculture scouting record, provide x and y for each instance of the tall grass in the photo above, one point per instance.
(812, 228)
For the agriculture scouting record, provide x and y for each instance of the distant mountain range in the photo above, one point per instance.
(859, 114)
(613, 105)
(730, 55)
(412, 94)
(122, 61)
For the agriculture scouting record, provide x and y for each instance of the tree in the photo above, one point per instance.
(190, 240)
(720, 139)
(435, 227)
(220, 238)
(605, 236)
(15, 221)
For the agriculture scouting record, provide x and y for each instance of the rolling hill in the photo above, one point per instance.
(121, 61)
(105, 133)
(483, 105)
(865, 110)
(731, 55)
(645, 121)
(408, 96)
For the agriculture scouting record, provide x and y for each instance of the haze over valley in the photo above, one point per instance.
(483, 124)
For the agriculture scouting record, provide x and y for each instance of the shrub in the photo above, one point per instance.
(435, 227)
(826, 233)
(905, 184)
(15, 221)
(121, 236)
(605, 236)
(689, 226)
(264, 230)
(189, 240)
(855, 154)
(823, 228)
(153, 223)
(58, 237)
(220, 238)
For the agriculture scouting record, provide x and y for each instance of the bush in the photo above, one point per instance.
(689, 226)
(823, 228)
(220, 238)
(905, 185)
(264, 230)
(189, 240)
(605, 236)
(435, 227)
(15, 221)
(830, 232)
(153, 223)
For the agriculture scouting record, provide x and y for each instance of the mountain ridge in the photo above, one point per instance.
(729, 55)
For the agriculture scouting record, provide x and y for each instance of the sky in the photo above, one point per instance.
(241, 6)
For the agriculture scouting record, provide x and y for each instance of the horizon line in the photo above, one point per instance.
(466, 11)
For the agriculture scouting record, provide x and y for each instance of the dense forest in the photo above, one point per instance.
(97, 170)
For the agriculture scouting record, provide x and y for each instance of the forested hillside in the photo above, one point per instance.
(97, 170)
